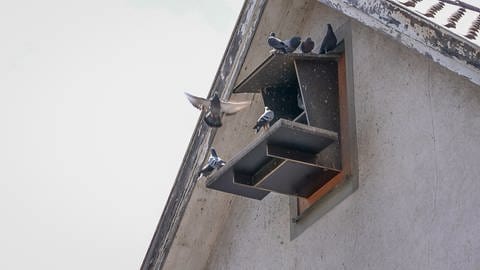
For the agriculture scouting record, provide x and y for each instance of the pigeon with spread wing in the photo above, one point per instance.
(214, 107)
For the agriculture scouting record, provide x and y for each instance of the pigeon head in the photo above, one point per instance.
(266, 108)
(309, 39)
(272, 34)
(215, 97)
(329, 27)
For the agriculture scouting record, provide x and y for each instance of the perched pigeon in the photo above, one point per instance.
(214, 162)
(276, 43)
(307, 45)
(329, 41)
(264, 120)
(292, 44)
(285, 46)
(214, 107)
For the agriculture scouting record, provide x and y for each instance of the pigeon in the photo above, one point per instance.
(292, 44)
(264, 120)
(329, 41)
(214, 107)
(214, 162)
(307, 45)
(285, 46)
(276, 43)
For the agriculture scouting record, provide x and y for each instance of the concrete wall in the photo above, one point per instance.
(418, 132)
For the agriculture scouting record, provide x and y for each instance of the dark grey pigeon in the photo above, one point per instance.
(214, 162)
(307, 45)
(264, 120)
(292, 44)
(329, 41)
(276, 43)
(214, 107)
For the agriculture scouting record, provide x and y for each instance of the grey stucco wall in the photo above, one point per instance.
(417, 206)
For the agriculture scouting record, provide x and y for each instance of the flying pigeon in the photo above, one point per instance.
(329, 41)
(285, 46)
(307, 45)
(214, 107)
(214, 162)
(264, 120)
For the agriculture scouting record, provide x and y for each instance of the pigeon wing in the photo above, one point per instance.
(276, 43)
(233, 107)
(198, 102)
(293, 43)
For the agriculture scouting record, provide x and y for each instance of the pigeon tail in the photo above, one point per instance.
(261, 123)
(205, 171)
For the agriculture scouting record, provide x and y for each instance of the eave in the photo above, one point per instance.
(414, 31)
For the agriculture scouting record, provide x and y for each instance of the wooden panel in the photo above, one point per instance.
(318, 82)
(277, 70)
(254, 162)
(304, 203)
(295, 178)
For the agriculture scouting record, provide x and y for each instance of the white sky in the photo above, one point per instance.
(94, 123)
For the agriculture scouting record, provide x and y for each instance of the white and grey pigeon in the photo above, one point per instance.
(283, 46)
(214, 162)
(329, 41)
(264, 120)
(214, 107)
(276, 43)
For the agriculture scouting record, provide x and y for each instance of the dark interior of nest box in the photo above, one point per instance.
(300, 153)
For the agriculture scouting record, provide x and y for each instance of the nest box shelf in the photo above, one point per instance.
(283, 160)
(300, 152)
(278, 70)
(287, 79)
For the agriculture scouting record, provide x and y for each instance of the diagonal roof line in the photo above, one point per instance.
(184, 184)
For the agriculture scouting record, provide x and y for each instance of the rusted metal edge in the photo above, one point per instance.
(202, 137)
(452, 51)
(287, 57)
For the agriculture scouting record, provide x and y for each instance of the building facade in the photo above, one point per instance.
(415, 108)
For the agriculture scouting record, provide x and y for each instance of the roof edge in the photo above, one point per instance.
(413, 31)
(202, 137)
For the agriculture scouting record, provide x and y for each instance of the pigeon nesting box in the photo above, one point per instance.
(282, 160)
(302, 90)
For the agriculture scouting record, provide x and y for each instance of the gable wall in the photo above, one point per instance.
(418, 130)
